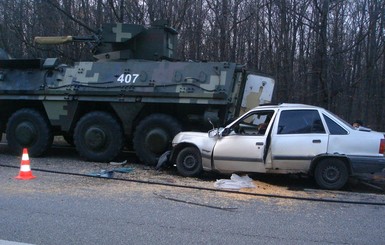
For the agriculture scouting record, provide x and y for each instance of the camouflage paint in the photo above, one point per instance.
(140, 71)
(61, 113)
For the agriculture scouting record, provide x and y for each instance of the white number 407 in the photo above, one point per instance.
(128, 78)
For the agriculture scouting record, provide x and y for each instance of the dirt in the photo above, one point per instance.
(63, 158)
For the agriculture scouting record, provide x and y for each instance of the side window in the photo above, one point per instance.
(254, 124)
(300, 122)
(334, 128)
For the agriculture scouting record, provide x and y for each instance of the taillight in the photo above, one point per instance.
(382, 146)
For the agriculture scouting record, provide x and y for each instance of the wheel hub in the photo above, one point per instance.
(189, 161)
(95, 138)
(25, 133)
(156, 140)
(331, 174)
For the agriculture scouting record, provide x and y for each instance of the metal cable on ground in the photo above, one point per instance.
(195, 203)
(210, 189)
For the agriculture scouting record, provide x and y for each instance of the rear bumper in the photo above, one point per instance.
(367, 164)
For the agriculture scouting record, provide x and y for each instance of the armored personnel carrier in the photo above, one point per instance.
(135, 93)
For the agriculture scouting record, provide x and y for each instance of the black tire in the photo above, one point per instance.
(331, 173)
(27, 128)
(98, 137)
(153, 137)
(189, 162)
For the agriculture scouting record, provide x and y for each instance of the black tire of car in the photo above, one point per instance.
(27, 128)
(189, 162)
(153, 136)
(331, 173)
(98, 136)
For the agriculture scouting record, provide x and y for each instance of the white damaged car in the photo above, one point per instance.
(285, 138)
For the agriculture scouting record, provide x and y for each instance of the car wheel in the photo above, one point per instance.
(27, 128)
(98, 137)
(153, 137)
(331, 173)
(189, 162)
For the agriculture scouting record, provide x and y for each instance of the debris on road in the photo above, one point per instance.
(163, 160)
(102, 173)
(110, 173)
(235, 182)
(119, 163)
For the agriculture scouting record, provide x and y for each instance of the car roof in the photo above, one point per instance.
(287, 105)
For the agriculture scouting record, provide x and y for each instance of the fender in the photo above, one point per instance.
(201, 141)
(319, 157)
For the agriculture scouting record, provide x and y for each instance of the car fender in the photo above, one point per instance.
(319, 157)
(201, 141)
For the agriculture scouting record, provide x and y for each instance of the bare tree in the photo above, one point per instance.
(316, 50)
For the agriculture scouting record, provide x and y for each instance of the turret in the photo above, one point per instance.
(119, 41)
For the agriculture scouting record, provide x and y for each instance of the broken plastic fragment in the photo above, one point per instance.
(163, 160)
(102, 173)
(118, 163)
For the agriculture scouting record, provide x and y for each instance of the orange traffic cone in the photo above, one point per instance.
(25, 172)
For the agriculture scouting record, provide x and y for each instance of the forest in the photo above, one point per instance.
(329, 53)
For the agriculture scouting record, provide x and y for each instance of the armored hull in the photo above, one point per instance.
(120, 100)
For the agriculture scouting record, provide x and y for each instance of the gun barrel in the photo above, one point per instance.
(54, 40)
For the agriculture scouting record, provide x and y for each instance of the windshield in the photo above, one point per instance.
(253, 123)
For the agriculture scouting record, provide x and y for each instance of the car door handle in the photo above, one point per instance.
(316, 141)
(259, 143)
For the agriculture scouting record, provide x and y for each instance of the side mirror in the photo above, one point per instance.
(212, 124)
(213, 133)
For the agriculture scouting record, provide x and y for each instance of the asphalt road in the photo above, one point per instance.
(67, 209)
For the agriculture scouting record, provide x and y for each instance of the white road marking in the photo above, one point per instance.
(4, 242)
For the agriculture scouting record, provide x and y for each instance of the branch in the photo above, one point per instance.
(71, 17)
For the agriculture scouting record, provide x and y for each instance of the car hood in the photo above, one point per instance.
(201, 140)
(189, 136)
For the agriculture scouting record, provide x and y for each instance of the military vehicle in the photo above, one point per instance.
(135, 94)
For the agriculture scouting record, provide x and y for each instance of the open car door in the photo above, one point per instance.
(243, 145)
